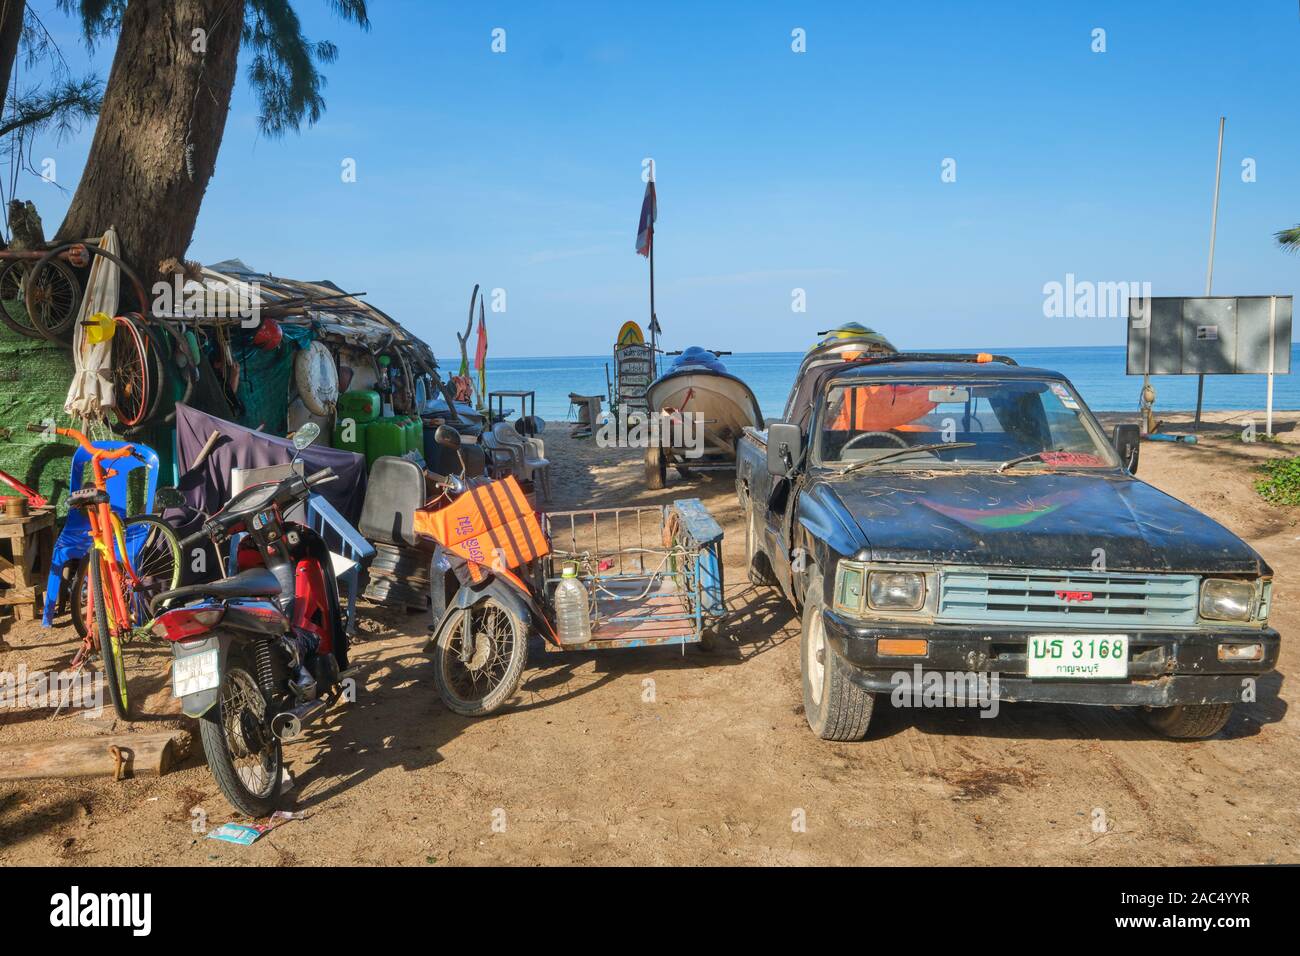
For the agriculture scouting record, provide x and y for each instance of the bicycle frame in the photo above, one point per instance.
(109, 539)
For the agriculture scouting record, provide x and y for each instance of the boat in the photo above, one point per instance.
(697, 391)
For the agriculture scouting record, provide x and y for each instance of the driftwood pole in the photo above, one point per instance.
(108, 755)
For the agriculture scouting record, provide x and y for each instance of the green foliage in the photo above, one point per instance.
(1289, 239)
(61, 108)
(284, 67)
(1281, 481)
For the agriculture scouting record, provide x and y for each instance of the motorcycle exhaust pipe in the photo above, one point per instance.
(289, 724)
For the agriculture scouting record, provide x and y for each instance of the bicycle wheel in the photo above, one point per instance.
(79, 602)
(13, 305)
(52, 294)
(155, 564)
(110, 648)
(132, 378)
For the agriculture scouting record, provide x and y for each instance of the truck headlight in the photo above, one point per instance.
(1226, 600)
(859, 589)
(895, 590)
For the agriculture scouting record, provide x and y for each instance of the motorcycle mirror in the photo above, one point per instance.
(305, 435)
(447, 436)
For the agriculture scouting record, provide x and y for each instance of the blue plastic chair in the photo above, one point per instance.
(74, 540)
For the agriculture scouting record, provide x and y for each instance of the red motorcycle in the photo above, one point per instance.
(259, 655)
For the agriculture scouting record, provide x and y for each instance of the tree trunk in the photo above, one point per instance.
(161, 93)
(11, 31)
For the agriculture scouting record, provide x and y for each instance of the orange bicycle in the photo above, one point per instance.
(129, 563)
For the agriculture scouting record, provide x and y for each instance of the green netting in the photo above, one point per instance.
(266, 378)
(34, 379)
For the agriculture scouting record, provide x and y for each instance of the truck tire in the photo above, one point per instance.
(756, 561)
(656, 468)
(1189, 721)
(836, 708)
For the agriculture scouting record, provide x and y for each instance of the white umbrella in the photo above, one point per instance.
(91, 394)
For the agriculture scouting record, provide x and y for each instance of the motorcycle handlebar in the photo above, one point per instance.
(197, 537)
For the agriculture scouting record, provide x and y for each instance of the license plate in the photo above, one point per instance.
(1069, 656)
(194, 673)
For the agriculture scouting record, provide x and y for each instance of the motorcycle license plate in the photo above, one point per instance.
(1083, 656)
(195, 673)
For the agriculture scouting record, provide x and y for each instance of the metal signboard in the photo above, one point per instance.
(1210, 335)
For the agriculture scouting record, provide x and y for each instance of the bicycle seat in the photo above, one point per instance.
(87, 498)
(254, 582)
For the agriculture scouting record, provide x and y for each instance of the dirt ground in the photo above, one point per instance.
(658, 757)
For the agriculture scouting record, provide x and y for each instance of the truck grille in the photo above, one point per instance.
(1067, 598)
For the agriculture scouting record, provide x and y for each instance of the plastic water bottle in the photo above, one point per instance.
(572, 615)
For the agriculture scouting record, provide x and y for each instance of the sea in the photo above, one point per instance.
(1096, 371)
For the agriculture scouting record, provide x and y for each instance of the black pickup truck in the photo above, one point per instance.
(959, 527)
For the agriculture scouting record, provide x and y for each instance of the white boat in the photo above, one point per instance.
(697, 394)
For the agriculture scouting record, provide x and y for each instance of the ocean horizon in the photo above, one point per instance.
(1098, 372)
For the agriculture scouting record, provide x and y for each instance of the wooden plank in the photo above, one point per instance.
(31, 542)
(141, 755)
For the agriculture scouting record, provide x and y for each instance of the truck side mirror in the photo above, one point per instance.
(784, 445)
(1127, 440)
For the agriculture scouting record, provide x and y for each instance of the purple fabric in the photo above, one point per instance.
(209, 488)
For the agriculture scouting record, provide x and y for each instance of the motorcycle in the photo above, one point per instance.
(261, 654)
(480, 634)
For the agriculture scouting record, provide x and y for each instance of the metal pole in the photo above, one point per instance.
(1209, 268)
(1272, 336)
(654, 336)
(654, 324)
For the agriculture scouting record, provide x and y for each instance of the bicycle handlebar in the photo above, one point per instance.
(102, 454)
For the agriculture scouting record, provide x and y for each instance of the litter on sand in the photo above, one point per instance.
(245, 834)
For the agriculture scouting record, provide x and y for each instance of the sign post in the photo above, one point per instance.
(1209, 269)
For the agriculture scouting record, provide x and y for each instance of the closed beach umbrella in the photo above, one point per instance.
(480, 355)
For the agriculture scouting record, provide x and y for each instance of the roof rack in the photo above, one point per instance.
(973, 357)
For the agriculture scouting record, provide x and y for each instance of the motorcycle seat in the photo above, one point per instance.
(253, 582)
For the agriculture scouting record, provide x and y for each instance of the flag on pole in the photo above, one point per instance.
(480, 354)
(645, 230)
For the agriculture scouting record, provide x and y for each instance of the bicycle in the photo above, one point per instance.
(126, 568)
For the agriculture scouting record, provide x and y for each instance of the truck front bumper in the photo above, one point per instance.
(1165, 667)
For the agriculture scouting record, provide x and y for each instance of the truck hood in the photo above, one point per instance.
(1048, 520)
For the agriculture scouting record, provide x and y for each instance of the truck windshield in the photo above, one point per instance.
(966, 425)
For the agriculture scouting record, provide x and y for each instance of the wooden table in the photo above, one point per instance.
(26, 544)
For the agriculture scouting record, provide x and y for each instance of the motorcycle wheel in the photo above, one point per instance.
(246, 759)
(498, 641)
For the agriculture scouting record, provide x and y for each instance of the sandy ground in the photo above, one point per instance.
(658, 757)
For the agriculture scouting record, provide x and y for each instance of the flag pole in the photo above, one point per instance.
(654, 324)
(654, 321)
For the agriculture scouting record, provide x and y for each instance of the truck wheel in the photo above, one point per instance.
(759, 568)
(836, 708)
(656, 468)
(1189, 721)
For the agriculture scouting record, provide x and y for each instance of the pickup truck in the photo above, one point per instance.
(964, 522)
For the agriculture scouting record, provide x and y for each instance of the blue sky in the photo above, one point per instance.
(776, 170)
